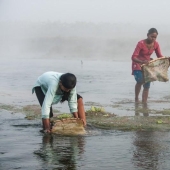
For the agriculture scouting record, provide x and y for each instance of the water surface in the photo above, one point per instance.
(109, 84)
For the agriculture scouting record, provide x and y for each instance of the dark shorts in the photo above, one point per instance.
(139, 78)
(40, 96)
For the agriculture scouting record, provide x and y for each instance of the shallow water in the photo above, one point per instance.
(106, 83)
(22, 146)
(109, 84)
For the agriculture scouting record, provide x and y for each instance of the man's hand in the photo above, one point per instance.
(47, 131)
(145, 62)
(84, 122)
(46, 125)
(75, 114)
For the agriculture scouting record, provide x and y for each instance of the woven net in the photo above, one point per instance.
(156, 70)
(69, 126)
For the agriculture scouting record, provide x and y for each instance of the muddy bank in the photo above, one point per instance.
(99, 118)
(106, 120)
(131, 122)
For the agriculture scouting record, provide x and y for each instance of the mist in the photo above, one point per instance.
(97, 30)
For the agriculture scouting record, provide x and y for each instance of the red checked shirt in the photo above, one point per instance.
(143, 53)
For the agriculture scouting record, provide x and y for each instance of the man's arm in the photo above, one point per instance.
(49, 96)
(158, 51)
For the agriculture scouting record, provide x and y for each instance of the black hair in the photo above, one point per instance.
(152, 30)
(69, 81)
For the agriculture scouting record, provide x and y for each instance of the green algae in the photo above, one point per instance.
(163, 112)
(111, 121)
(99, 118)
(33, 111)
(116, 106)
(133, 123)
(11, 108)
(7, 107)
(64, 116)
(92, 104)
(96, 109)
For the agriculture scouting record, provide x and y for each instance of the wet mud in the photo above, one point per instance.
(99, 118)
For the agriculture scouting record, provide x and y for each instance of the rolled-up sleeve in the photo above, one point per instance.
(136, 51)
(72, 101)
(49, 96)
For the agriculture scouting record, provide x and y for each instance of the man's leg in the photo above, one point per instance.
(145, 93)
(137, 91)
(139, 81)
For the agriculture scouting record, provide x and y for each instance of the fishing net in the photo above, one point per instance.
(156, 70)
(68, 126)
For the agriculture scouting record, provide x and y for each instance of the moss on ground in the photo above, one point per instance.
(132, 122)
(104, 120)
(99, 118)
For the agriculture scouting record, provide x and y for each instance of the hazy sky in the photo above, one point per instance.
(112, 11)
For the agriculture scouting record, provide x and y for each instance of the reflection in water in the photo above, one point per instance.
(147, 151)
(144, 109)
(151, 150)
(61, 152)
